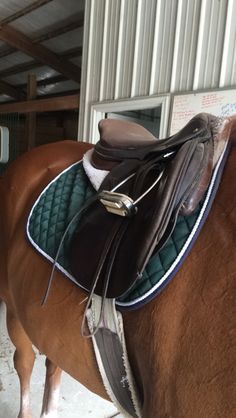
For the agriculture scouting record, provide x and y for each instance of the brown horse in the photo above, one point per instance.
(182, 345)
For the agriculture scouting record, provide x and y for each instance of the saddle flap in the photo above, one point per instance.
(120, 247)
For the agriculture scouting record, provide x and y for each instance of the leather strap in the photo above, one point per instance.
(138, 236)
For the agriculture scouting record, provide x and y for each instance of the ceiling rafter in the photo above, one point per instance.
(72, 53)
(39, 52)
(7, 51)
(42, 105)
(18, 92)
(27, 66)
(65, 26)
(11, 91)
(20, 68)
(22, 12)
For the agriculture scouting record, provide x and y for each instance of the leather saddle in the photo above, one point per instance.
(149, 184)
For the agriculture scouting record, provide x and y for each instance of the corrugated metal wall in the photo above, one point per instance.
(138, 48)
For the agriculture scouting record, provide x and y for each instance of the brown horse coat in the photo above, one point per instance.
(182, 345)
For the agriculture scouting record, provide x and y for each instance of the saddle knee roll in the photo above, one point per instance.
(199, 188)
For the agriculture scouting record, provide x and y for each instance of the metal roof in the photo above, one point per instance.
(41, 37)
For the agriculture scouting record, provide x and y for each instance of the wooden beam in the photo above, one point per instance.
(24, 11)
(42, 105)
(64, 27)
(7, 51)
(67, 25)
(39, 52)
(30, 122)
(20, 68)
(11, 91)
(72, 53)
(31, 87)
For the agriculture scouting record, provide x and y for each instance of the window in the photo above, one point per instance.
(150, 112)
(148, 118)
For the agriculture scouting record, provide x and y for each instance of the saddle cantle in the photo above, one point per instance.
(164, 178)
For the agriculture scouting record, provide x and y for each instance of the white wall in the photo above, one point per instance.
(136, 48)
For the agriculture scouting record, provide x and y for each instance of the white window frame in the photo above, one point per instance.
(99, 110)
(4, 144)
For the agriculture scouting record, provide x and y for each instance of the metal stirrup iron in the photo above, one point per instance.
(121, 204)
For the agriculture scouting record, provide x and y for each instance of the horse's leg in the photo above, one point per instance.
(51, 390)
(24, 357)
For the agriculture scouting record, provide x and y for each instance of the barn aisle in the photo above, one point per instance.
(75, 400)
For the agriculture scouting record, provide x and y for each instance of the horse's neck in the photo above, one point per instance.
(190, 328)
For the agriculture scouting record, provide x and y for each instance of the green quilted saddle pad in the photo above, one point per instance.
(62, 199)
(53, 211)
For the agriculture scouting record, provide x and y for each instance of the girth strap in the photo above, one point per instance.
(111, 354)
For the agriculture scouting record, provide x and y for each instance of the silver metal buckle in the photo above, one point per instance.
(117, 203)
(121, 204)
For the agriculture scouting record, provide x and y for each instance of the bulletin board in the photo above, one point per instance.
(185, 106)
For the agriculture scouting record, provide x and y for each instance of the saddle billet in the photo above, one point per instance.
(120, 247)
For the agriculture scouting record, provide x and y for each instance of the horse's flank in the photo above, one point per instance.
(182, 345)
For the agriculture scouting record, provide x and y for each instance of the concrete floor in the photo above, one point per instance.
(75, 401)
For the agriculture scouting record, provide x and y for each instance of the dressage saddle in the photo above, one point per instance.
(149, 184)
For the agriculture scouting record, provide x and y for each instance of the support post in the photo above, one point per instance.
(31, 117)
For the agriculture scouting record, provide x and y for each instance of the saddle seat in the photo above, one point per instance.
(121, 140)
(118, 135)
(164, 178)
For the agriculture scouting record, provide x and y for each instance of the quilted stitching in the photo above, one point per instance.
(160, 262)
(55, 209)
(64, 197)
